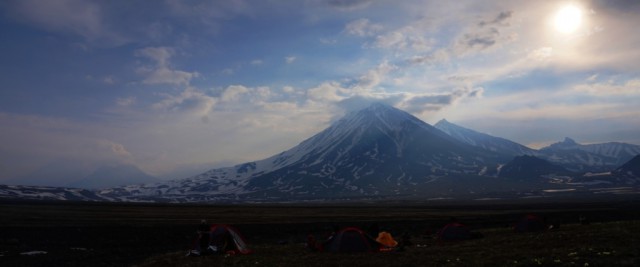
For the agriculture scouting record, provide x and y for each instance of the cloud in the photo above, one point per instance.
(228, 71)
(463, 78)
(362, 27)
(77, 17)
(289, 59)
(203, 104)
(410, 37)
(390, 40)
(160, 55)
(125, 102)
(585, 111)
(207, 13)
(327, 91)
(191, 101)
(555, 104)
(327, 41)
(233, 92)
(423, 103)
(501, 19)
(541, 54)
(349, 5)
(256, 62)
(109, 80)
(162, 72)
(437, 57)
(164, 75)
(359, 102)
(117, 149)
(629, 87)
(373, 77)
(485, 35)
(33, 141)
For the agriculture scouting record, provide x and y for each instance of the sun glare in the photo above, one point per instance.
(568, 19)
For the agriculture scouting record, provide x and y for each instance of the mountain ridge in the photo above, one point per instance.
(382, 152)
(376, 150)
(483, 140)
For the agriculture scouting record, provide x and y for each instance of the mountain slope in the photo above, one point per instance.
(376, 150)
(530, 167)
(592, 157)
(485, 141)
(379, 150)
(48, 193)
(630, 168)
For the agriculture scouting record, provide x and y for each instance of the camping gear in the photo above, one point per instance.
(227, 239)
(530, 223)
(386, 239)
(222, 239)
(453, 232)
(350, 239)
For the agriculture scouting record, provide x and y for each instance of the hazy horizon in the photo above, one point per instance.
(176, 87)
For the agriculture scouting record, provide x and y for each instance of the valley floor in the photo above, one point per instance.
(111, 234)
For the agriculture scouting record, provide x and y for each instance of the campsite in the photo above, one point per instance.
(117, 234)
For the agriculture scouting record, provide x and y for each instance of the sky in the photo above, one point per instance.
(177, 87)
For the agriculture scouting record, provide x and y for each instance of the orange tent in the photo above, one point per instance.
(386, 239)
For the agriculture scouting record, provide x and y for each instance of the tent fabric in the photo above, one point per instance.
(226, 239)
(386, 239)
(350, 239)
(220, 239)
(530, 223)
(454, 231)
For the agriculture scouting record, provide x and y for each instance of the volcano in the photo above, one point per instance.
(379, 150)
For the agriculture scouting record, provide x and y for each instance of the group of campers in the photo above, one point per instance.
(224, 239)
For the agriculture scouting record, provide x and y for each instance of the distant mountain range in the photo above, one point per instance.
(381, 152)
(593, 157)
(568, 153)
(114, 175)
(78, 175)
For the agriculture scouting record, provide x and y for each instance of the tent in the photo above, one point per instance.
(454, 231)
(227, 239)
(530, 223)
(387, 240)
(222, 239)
(350, 239)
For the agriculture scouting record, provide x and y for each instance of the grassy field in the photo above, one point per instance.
(111, 234)
(601, 244)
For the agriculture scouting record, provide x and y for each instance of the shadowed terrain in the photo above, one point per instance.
(115, 234)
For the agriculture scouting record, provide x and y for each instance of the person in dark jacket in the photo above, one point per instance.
(204, 235)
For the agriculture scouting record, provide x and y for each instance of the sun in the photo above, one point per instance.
(568, 19)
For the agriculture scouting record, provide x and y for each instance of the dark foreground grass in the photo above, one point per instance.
(129, 234)
(599, 244)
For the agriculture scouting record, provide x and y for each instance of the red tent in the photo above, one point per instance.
(227, 239)
(222, 239)
(350, 239)
(454, 231)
